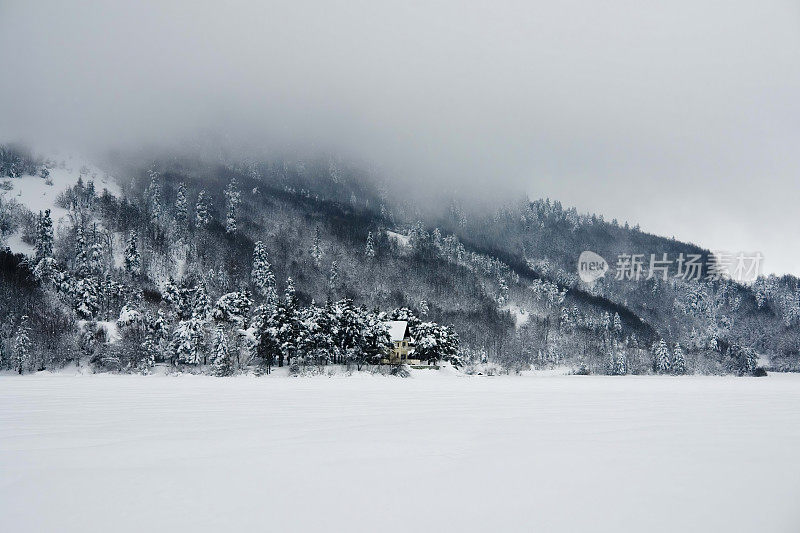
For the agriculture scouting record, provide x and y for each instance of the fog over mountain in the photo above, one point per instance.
(682, 116)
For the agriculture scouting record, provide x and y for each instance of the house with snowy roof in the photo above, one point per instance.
(402, 344)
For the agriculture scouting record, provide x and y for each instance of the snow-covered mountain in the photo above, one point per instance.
(175, 239)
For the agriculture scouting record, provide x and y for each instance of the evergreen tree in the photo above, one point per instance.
(502, 293)
(606, 321)
(96, 259)
(181, 208)
(315, 342)
(86, 297)
(183, 345)
(289, 296)
(149, 352)
(316, 249)
(261, 274)
(22, 344)
(565, 319)
(347, 328)
(201, 306)
(370, 249)
(617, 324)
(333, 279)
(44, 235)
(132, 259)
(287, 324)
(268, 346)
(222, 361)
(435, 343)
(678, 360)
(189, 339)
(232, 199)
(203, 210)
(153, 197)
(81, 253)
(661, 357)
(233, 307)
(375, 338)
(621, 361)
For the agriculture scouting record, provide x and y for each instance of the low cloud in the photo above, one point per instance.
(681, 116)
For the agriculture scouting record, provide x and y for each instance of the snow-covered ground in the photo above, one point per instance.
(399, 238)
(432, 453)
(520, 315)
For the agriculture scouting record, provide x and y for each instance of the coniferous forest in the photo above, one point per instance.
(227, 265)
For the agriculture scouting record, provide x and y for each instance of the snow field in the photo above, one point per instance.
(436, 452)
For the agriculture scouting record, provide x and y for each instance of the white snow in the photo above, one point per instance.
(402, 240)
(34, 193)
(17, 245)
(430, 453)
(519, 314)
(397, 329)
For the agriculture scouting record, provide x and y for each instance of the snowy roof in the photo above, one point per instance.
(397, 329)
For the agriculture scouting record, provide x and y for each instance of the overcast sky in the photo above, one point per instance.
(683, 116)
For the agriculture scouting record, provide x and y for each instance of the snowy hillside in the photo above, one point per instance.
(197, 245)
(38, 194)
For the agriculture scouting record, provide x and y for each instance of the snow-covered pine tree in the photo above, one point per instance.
(132, 259)
(288, 324)
(201, 305)
(96, 258)
(222, 361)
(181, 208)
(370, 248)
(621, 361)
(268, 347)
(678, 360)
(203, 210)
(749, 360)
(418, 237)
(158, 334)
(333, 279)
(153, 197)
(565, 319)
(617, 324)
(189, 341)
(86, 297)
(713, 344)
(183, 343)
(436, 237)
(661, 357)
(22, 343)
(233, 307)
(605, 322)
(81, 253)
(44, 235)
(261, 274)
(316, 249)
(502, 291)
(232, 199)
(375, 338)
(435, 342)
(149, 351)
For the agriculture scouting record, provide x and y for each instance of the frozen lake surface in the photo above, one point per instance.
(432, 453)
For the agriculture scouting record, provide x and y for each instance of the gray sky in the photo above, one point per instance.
(683, 116)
